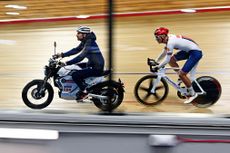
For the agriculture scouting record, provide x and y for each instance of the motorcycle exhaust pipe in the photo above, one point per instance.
(98, 96)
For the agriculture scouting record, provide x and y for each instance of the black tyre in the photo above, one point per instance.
(113, 90)
(143, 88)
(33, 99)
(213, 91)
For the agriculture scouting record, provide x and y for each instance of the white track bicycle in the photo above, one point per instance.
(152, 89)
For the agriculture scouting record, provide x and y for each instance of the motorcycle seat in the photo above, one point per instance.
(106, 72)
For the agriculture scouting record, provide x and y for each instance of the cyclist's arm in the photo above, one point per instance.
(169, 52)
(161, 56)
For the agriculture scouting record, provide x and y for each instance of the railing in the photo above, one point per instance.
(117, 132)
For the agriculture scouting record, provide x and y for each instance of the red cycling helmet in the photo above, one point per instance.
(161, 31)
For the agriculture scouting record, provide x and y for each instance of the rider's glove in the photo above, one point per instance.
(155, 68)
(152, 62)
(58, 55)
(62, 64)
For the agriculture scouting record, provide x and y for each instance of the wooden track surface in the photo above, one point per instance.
(26, 48)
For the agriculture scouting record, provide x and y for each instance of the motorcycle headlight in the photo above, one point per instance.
(46, 70)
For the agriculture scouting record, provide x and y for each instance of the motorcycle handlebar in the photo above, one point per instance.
(55, 56)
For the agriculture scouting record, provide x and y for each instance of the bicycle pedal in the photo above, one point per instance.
(181, 95)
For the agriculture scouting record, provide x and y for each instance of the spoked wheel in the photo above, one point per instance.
(33, 98)
(213, 91)
(144, 94)
(114, 94)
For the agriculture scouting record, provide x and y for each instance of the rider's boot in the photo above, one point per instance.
(81, 95)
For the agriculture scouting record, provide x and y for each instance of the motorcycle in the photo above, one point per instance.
(106, 95)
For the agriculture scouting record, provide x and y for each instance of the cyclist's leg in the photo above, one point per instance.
(192, 73)
(191, 95)
(180, 55)
(191, 63)
(173, 63)
(185, 79)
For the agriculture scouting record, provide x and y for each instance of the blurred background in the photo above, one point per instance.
(61, 8)
(29, 28)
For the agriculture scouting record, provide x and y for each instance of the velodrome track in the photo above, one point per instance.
(25, 49)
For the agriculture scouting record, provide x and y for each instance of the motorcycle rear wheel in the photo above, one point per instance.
(113, 91)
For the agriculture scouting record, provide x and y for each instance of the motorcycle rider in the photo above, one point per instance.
(188, 50)
(89, 49)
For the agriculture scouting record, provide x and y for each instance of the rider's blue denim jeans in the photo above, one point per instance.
(79, 76)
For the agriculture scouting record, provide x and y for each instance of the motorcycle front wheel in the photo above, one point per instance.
(35, 99)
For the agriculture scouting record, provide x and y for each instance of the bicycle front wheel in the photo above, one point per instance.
(144, 93)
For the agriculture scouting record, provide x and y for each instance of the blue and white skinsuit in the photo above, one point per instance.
(188, 49)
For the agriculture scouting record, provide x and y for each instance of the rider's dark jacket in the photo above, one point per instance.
(90, 50)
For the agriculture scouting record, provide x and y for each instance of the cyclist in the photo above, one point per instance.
(188, 50)
(89, 49)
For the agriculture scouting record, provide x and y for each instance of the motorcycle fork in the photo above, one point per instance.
(41, 89)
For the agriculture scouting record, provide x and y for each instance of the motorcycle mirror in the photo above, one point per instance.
(55, 45)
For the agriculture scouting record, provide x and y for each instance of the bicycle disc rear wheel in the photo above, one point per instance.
(143, 92)
(213, 91)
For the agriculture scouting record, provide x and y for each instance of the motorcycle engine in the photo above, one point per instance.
(68, 87)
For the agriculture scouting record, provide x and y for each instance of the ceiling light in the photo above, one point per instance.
(16, 7)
